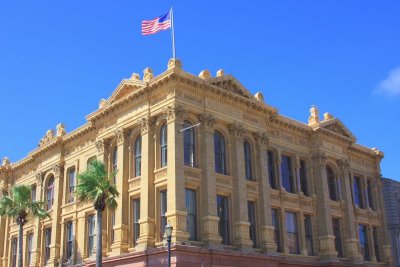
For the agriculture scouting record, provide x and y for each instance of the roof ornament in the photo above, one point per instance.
(328, 116)
(259, 96)
(48, 137)
(5, 162)
(220, 73)
(174, 63)
(135, 77)
(205, 74)
(60, 130)
(148, 74)
(102, 103)
(314, 117)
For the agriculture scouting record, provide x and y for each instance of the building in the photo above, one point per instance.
(241, 184)
(391, 196)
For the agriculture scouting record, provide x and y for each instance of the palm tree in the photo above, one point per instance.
(19, 205)
(96, 187)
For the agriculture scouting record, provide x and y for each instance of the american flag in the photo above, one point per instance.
(153, 26)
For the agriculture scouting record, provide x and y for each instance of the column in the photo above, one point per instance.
(147, 205)
(297, 173)
(350, 240)
(210, 235)
(365, 192)
(302, 235)
(324, 219)
(4, 230)
(267, 242)
(371, 243)
(102, 150)
(239, 198)
(120, 244)
(82, 238)
(55, 216)
(176, 209)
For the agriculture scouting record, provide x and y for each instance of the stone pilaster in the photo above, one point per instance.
(324, 219)
(176, 210)
(147, 207)
(302, 235)
(120, 244)
(56, 210)
(349, 230)
(240, 214)
(267, 242)
(297, 174)
(278, 162)
(210, 235)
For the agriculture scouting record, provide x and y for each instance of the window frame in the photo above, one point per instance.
(248, 160)
(163, 210)
(189, 144)
(332, 184)
(50, 193)
(271, 169)
(71, 189)
(91, 234)
(191, 208)
(47, 244)
(220, 153)
(135, 219)
(163, 145)
(252, 217)
(292, 232)
(287, 175)
(69, 239)
(224, 220)
(337, 232)
(137, 156)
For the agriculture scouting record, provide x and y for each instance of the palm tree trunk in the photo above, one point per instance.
(20, 238)
(99, 250)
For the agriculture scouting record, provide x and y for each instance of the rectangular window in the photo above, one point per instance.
(271, 169)
(303, 178)
(337, 234)
(370, 197)
(363, 235)
(91, 225)
(191, 208)
(47, 243)
(69, 239)
(251, 209)
(309, 234)
(292, 232)
(29, 249)
(358, 198)
(71, 185)
(33, 192)
(277, 229)
(14, 249)
(286, 171)
(376, 243)
(163, 211)
(136, 217)
(223, 214)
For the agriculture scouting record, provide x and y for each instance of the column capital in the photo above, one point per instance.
(146, 124)
(39, 178)
(173, 113)
(261, 138)
(236, 130)
(207, 121)
(343, 164)
(121, 135)
(101, 144)
(319, 157)
(56, 168)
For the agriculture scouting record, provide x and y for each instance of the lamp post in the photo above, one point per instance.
(168, 233)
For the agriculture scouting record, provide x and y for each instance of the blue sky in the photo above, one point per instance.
(59, 58)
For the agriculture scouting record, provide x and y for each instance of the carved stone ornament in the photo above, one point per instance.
(102, 103)
(121, 136)
(343, 164)
(261, 138)
(146, 124)
(174, 63)
(39, 178)
(314, 116)
(99, 146)
(236, 130)
(206, 120)
(5, 162)
(48, 137)
(60, 130)
(173, 112)
(148, 74)
(378, 152)
(327, 116)
(56, 169)
(135, 77)
(259, 96)
(319, 157)
(220, 73)
(205, 74)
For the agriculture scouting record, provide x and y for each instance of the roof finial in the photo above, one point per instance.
(314, 116)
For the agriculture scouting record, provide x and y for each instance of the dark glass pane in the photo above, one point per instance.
(219, 153)
(292, 232)
(163, 145)
(308, 234)
(223, 214)
(332, 184)
(337, 234)
(363, 235)
(247, 160)
(286, 170)
(138, 156)
(189, 144)
(271, 169)
(276, 225)
(163, 210)
(303, 178)
(252, 219)
(136, 217)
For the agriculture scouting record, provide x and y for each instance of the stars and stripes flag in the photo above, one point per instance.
(160, 23)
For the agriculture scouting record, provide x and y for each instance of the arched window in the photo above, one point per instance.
(115, 162)
(71, 185)
(247, 160)
(332, 184)
(163, 144)
(188, 143)
(50, 193)
(219, 153)
(138, 156)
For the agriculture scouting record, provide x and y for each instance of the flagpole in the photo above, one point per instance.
(173, 34)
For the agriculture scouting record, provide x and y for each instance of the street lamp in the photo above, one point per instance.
(168, 233)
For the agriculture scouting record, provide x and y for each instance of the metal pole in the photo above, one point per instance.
(169, 251)
(173, 33)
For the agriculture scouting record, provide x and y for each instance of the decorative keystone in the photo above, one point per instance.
(174, 63)
(102, 103)
(327, 116)
(5, 162)
(148, 74)
(314, 117)
(259, 96)
(205, 74)
(60, 130)
(220, 73)
(135, 77)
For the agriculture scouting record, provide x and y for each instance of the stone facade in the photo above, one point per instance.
(241, 184)
(391, 196)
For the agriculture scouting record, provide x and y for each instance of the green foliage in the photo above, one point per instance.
(19, 204)
(95, 186)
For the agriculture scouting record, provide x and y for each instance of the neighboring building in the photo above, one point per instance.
(258, 188)
(391, 196)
